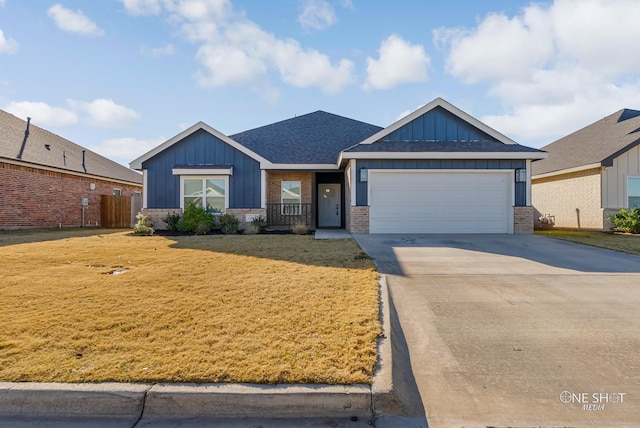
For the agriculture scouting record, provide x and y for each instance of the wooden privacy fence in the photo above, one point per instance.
(115, 211)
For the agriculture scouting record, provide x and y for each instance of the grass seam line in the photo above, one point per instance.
(144, 404)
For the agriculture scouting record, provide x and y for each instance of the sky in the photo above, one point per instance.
(120, 77)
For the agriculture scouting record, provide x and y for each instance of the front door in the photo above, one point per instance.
(329, 205)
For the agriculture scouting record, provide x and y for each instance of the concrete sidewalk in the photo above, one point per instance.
(128, 404)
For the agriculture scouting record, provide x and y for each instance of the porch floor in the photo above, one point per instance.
(332, 234)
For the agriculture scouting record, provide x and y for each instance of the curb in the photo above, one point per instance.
(212, 400)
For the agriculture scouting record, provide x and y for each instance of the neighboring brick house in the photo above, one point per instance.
(590, 174)
(437, 170)
(44, 178)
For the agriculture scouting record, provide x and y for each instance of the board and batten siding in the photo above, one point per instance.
(201, 148)
(426, 164)
(438, 125)
(614, 178)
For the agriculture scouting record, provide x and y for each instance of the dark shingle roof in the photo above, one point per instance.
(440, 146)
(314, 138)
(44, 148)
(598, 143)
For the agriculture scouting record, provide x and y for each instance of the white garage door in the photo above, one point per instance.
(440, 202)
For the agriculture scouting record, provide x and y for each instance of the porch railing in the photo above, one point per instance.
(290, 215)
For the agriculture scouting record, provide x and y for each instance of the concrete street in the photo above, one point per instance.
(516, 330)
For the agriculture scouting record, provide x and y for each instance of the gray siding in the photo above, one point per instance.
(438, 125)
(197, 149)
(361, 188)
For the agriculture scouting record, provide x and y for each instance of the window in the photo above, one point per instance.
(117, 192)
(633, 191)
(291, 197)
(209, 192)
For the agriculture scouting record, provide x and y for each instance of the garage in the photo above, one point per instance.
(452, 201)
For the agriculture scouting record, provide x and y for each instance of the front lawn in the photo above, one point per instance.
(613, 241)
(115, 307)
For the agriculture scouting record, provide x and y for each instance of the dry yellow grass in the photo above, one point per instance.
(260, 309)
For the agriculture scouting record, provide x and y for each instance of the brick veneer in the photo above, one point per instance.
(359, 220)
(274, 188)
(523, 220)
(574, 199)
(241, 214)
(32, 197)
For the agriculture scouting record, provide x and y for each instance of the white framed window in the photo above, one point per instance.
(117, 192)
(207, 192)
(291, 197)
(633, 192)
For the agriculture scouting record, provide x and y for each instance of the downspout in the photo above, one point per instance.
(83, 165)
(24, 141)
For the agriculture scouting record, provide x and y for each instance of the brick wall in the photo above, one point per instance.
(306, 179)
(241, 214)
(359, 222)
(523, 220)
(31, 197)
(573, 199)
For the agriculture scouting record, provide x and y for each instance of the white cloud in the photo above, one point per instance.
(233, 50)
(316, 15)
(554, 67)
(143, 7)
(166, 50)
(106, 113)
(124, 150)
(7, 44)
(399, 62)
(73, 21)
(42, 114)
(99, 112)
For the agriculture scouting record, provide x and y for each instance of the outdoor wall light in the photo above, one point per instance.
(364, 175)
(521, 175)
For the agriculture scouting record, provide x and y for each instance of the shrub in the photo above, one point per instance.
(229, 224)
(143, 227)
(260, 223)
(172, 220)
(627, 221)
(202, 229)
(195, 218)
(250, 229)
(300, 229)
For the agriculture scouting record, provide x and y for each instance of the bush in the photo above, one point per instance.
(172, 220)
(300, 229)
(627, 221)
(229, 224)
(143, 226)
(196, 219)
(260, 223)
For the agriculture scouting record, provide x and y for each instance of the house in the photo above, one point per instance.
(436, 170)
(48, 181)
(590, 174)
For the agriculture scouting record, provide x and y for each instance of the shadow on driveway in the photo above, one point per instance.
(411, 254)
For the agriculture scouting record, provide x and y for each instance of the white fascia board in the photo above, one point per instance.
(301, 166)
(137, 163)
(69, 172)
(444, 155)
(568, 170)
(202, 171)
(439, 102)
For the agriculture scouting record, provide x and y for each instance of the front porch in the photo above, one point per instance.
(305, 198)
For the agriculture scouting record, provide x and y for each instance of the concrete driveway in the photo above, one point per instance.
(516, 330)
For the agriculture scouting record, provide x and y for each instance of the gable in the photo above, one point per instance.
(438, 125)
(595, 145)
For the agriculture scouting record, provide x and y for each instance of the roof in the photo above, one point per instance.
(423, 140)
(314, 138)
(441, 146)
(597, 144)
(46, 149)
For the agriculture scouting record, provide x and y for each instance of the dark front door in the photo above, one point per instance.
(329, 205)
